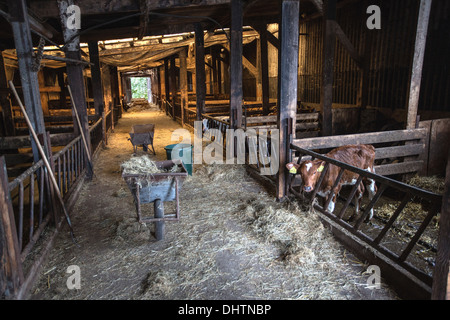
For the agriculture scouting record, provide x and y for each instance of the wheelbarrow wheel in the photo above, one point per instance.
(159, 225)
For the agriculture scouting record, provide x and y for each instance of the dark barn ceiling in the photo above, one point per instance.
(117, 19)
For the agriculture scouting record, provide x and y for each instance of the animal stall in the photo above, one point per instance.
(407, 261)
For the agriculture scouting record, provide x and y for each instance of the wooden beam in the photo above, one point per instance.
(166, 85)
(200, 77)
(345, 41)
(272, 39)
(441, 275)
(29, 79)
(329, 43)
(5, 102)
(183, 83)
(264, 68)
(97, 86)
(75, 77)
(417, 65)
(215, 78)
(288, 87)
(173, 84)
(11, 272)
(364, 138)
(236, 54)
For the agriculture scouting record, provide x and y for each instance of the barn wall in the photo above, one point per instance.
(390, 57)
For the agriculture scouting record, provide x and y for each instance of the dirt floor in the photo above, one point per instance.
(234, 241)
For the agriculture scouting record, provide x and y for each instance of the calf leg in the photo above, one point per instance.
(357, 201)
(372, 190)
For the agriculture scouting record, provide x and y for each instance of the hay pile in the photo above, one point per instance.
(434, 184)
(144, 166)
(138, 105)
(299, 235)
(235, 240)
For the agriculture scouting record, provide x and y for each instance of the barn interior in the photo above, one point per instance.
(319, 74)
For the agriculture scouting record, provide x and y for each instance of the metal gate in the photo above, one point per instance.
(372, 244)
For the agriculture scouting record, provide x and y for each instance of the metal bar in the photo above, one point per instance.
(66, 60)
(350, 197)
(419, 232)
(31, 201)
(370, 206)
(15, 183)
(177, 198)
(41, 194)
(319, 182)
(64, 174)
(34, 239)
(20, 215)
(394, 217)
(59, 173)
(381, 179)
(138, 203)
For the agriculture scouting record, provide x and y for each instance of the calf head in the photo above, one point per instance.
(310, 172)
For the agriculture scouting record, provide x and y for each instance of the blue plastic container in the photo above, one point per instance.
(183, 152)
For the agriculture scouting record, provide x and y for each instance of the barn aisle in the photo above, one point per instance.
(233, 240)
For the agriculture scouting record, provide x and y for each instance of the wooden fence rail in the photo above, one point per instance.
(411, 280)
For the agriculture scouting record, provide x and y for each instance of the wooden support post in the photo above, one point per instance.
(441, 285)
(215, 77)
(115, 94)
(183, 83)
(166, 85)
(288, 87)
(236, 92)
(264, 68)
(128, 92)
(219, 71)
(417, 65)
(75, 77)
(329, 44)
(158, 77)
(97, 86)
(5, 102)
(173, 84)
(30, 87)
(62, 86)
(11, 273)
(363, 90)
(200, 70)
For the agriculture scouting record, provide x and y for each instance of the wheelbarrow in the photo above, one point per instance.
(157, 188)
(142, 135)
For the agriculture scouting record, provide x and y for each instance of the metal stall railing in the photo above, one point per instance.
(33, 209)
(378, 246)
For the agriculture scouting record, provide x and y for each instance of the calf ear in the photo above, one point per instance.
(321, 167)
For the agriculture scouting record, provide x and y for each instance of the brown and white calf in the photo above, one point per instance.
(360, 156)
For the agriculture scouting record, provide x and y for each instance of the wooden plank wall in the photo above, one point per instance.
(391, 56)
